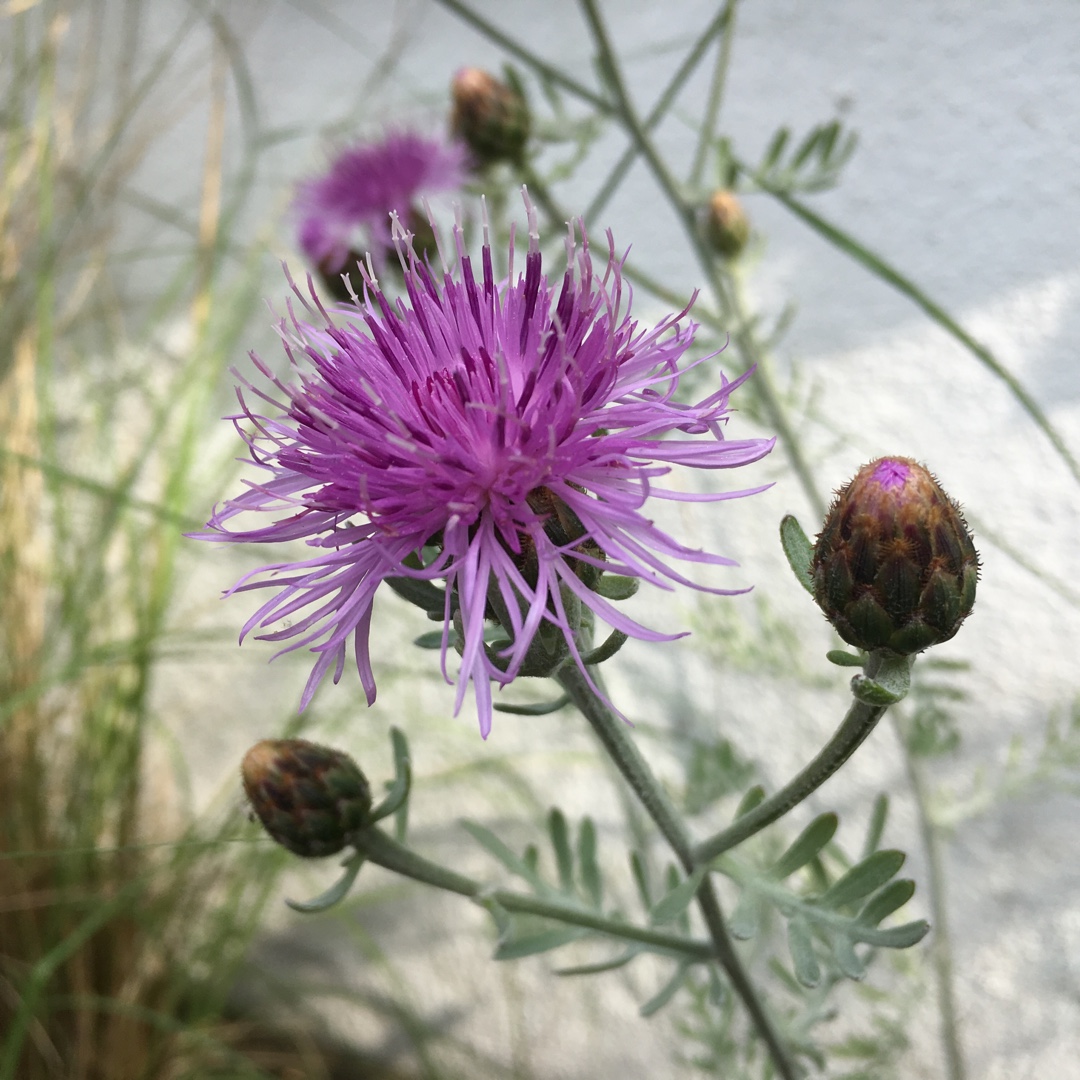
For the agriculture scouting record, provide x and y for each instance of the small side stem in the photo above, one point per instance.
(860, 720)
(614, 735)
(379, 848)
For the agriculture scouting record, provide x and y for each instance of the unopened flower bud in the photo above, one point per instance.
(895, 567)
(491, 117)
(726, 225)
(309, 798)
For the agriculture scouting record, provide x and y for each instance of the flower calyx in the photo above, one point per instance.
(310, 798)
(490, 116)
(894, 566)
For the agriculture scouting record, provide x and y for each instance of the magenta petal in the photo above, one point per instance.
(427, 423)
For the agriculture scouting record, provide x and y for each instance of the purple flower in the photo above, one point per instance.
(353, 201)
(500, 438)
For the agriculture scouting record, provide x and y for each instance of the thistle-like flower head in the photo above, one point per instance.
(501, 439)
(895, 566)
(491, 116)
(309, 798)
(348, 208)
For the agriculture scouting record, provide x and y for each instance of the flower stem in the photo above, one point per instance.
(719, 26)
(379, 848)
(728, 302)
(614, 735)
(860, 720)
(941, 947)
(716, 93)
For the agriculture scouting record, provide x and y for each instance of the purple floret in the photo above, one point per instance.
(349, 207)
(427, 425)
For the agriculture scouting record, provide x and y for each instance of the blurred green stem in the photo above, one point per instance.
(877, 266)
(941, 946)
(614, 735)
(719, 25)
(707, 133)
(728, 301)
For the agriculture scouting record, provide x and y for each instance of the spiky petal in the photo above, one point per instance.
(439, 437)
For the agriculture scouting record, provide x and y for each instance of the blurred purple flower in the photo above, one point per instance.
(440, 437)
(352, 202)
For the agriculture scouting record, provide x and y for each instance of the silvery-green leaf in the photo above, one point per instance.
(892, 937)
(589, 868)
(399, 790)
(335, 894)
(863, 878)
(604, 965)
(882, 904)
(746, 918)
(890, 684)
(641, 878)
(877, 824)
(808, 844)
(494, 846)
(560, 841)
(514, 948)
(666, 993)
(751, 799)
(799, 551)
(844, 659)
(540, 708)
(846, 958)
(801, 945)
(674, 903)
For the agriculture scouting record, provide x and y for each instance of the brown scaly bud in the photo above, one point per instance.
(491, 117)
(727, 227)
(309, 798)
(895, 567)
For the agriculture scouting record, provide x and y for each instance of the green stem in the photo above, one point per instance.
(718, 25)
(857, 724)
(716, 94)
(941, 947)
(727, 300)
(377, 847)
(766, 391)
(614, 735)
(547, 71)
(880, 268)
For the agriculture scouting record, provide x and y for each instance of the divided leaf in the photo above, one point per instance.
(666, 993)
(809, 844)
(863, 878)
(560, 842)
(589, 868)
(801, 945)
(494, 846)
(677, 900)
(541, 941)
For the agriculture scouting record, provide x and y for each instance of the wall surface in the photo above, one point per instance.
(966, 180)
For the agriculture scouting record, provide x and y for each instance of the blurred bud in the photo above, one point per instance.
(895, 567)
(491, 117)
(309, 798)
(726, 226)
